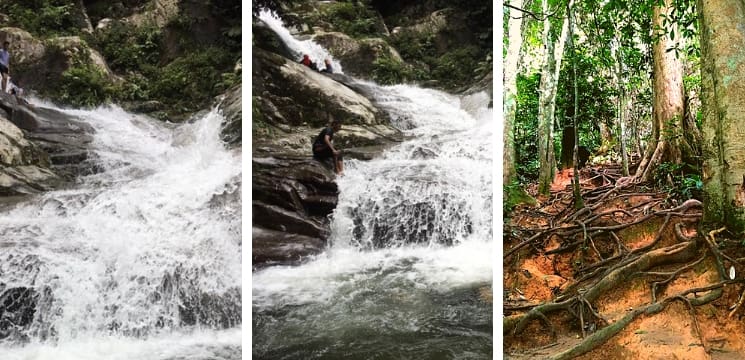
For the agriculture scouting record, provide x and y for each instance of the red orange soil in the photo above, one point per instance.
(548, 270)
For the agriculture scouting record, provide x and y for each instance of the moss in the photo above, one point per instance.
(515, 195)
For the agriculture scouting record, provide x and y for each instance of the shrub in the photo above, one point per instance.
(352, 18)
(191, 81)
(42, 17)
(128, 48)
(83, 85)
(680, 181)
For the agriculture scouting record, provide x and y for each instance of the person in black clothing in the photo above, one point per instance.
(323, 147)
(329, 68)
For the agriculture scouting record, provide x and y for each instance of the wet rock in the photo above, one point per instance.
(230, 105)
(40, 148)
(197, 305)
(272, 247)
(17, 309)
(292, 198)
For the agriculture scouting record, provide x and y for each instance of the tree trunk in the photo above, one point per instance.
(723, 108)
(616, 53)
(667, 126)
(511, 66)
(576, 190)
(547, 101)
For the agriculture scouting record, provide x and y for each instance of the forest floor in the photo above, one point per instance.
(630, 275)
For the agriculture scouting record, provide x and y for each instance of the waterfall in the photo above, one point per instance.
(410, 245)
(299, 48)
(139, 260)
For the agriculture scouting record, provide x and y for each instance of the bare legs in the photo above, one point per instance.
(339, 165)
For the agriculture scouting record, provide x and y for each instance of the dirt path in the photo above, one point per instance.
(628, 276)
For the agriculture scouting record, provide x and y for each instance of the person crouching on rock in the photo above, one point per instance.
(323, 147)
(307, 62)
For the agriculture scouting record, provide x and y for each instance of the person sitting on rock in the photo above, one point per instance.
(307, 62)
(323, 146)
(5, 64)
(329, 68)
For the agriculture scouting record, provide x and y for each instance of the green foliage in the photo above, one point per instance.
(526, 127)
(456, 67)
(355, 19)
(83, 85)
(127, 47)
(191, 81)
(42, 17)
(414, 45)
(389, 71)
(595, 99)
(680, 181)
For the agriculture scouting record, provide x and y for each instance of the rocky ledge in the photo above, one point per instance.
(40, 148)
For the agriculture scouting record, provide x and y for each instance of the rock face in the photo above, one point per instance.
(299, 95)
(23, 46)
(230, 105)
(38, 65)
(357, 57)
(39, 148)
(292, 198)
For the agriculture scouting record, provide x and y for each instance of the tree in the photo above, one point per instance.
(551, 67)
(723, 107)
(667, 143)
(511, 65)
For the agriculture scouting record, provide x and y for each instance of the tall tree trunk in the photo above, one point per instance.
(511, 66)
(547, 101)
(665, 144)
(723, 108)
(576, 190)
(616, 53)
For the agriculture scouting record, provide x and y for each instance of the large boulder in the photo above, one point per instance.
(301, 96)
(58, 147)
(24, 48)
(292, 198)
(357, 57)
(24, 166)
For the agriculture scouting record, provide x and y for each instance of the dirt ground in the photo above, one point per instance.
(555, 255)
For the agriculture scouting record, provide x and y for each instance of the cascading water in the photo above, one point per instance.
(141, 260)
(410, 248)
(299, 48)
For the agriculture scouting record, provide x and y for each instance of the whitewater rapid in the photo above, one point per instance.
(142, 254)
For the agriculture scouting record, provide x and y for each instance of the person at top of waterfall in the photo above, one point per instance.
(323, 146)
(307, 62)
(329, 68)
(4, 64)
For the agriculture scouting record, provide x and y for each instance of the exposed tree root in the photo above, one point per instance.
(592, 237)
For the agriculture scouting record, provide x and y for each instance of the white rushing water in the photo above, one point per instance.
(426, 202)
(142, 255)
(317, 53)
